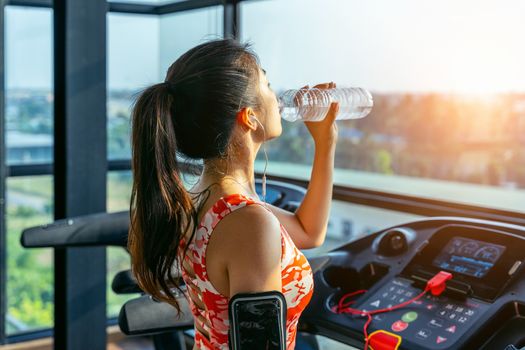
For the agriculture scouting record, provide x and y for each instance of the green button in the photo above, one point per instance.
(409, 316)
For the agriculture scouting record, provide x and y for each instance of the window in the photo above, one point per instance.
(29, 140)
(118, 199)
(181, 31)
(29, 271)
(449, 92)
(133, 64)
(349, 222)
(29, 94)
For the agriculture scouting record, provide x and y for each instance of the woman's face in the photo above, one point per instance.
(268, 114)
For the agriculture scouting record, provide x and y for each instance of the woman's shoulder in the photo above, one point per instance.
(245, 218)
(250, 243)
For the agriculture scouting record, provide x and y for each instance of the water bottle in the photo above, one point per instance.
(313, 104)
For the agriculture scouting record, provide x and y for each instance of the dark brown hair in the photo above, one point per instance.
(192, 114)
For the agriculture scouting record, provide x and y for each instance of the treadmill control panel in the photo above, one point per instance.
(482, 307)
(433, 322)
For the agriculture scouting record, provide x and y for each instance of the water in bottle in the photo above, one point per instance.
(313, 104)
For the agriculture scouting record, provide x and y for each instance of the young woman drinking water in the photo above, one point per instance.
(216, 104)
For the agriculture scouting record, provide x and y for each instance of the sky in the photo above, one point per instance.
(447, 46)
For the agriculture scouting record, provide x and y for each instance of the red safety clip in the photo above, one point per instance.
(436, 284)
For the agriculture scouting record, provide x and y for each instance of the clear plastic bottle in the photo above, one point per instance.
(312, 104)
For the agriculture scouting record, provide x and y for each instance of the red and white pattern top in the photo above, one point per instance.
(296, 275)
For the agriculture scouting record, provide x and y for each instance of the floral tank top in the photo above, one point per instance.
(296, 276)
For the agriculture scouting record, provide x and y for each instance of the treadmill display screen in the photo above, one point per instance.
(468, 256)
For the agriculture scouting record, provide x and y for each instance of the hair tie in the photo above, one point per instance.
(172, 87)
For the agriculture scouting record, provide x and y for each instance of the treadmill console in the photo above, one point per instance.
(482, 261)
(481, 308)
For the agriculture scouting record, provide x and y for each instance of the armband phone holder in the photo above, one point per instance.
(257, 321)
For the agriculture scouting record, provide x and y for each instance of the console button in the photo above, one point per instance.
(399, 326)
(375, 303)
(431, 306)
(462, 319)
(378, 317)
(409, 316)
(451, 329)
(443, 313)
(436, 322)
(423, 334)
(440, 339)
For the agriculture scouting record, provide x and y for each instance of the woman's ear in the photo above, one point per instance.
(246, 118)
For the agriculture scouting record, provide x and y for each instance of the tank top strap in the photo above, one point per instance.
(224, 206)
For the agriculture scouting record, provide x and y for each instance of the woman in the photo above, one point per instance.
(216, 104)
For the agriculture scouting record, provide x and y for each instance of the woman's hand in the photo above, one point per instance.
(324, 132)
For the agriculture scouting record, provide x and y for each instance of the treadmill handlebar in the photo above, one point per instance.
(145, 315)
(101, 229)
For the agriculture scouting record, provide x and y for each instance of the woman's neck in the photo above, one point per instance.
(232, 175)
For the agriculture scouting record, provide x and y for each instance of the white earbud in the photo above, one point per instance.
(263, 190)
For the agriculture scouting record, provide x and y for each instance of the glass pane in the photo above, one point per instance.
(132, 63)
(349, 222)
(29, 85)
(118, 190)
(29, 271)
(118, 260)
(181, 31)
(449, 116)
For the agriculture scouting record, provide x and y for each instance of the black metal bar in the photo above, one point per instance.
(123, 7)
(186, 6)
(80, 168)
(231, 19)
(28, 336)
(18, 170)
(30, 3)
(29, 170)
(143, 9)
(3, 175)
(119, 165)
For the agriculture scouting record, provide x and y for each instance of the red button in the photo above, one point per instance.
(440, 340)
(399, 326)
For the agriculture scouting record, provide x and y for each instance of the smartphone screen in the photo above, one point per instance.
(258, 321)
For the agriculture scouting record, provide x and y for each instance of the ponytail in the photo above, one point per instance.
(192, 114)
(161, 208)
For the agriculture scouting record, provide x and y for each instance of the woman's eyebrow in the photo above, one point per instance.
(263, 71)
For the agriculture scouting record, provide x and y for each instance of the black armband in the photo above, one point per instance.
(257, 321)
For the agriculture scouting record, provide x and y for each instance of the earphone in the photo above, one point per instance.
(252, 117)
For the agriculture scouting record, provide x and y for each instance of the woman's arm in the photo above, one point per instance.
(307, 227)
(252, 247)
